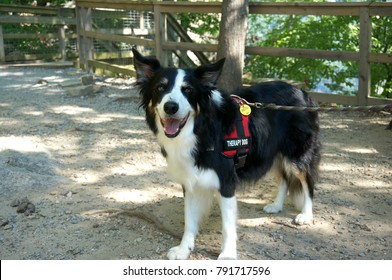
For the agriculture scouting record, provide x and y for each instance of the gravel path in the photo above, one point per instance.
(82, 178)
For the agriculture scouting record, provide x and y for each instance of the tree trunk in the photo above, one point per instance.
(233, 28)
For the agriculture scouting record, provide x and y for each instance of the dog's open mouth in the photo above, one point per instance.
(172, 126)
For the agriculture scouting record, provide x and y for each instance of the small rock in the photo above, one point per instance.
(364, 227)
(22, 207)
(80, 91)
(30, 209)
(42, 82)
(97, 88)
(74, 219)
(7, 227)
(26, 207)
(138, 240)
(15, 203)
(4, 221)
(87, 80)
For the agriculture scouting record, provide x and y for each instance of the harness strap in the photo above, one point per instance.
(238, 141)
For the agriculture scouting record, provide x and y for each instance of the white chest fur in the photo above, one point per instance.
(181, 165)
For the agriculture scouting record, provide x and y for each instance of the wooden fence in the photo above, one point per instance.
(31, 15)
(364, 57)
(87, 34)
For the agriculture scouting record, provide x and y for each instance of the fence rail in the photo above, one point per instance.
(162, 45)
(88, 33)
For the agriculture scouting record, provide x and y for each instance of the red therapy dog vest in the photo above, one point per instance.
(238, 141)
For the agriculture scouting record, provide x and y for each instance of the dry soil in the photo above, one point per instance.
(81, 177)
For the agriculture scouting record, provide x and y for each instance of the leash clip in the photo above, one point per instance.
(242, 101)
(258, 105)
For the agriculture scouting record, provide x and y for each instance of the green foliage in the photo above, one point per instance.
(31, 46)
(335, 33)
(310, 32)
(382, 43)
(206, 25)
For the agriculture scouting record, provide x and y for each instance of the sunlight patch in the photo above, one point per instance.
(102, 118)
(71, 110)
(126, 169)
(251, 222)
(4, 73)
(382, 186)
(250, 200)
(22, 144)
(361, 150)
(86, 178)
(34, 113)
(335, 167)
(135, 196)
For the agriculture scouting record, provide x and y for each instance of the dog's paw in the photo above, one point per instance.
(178, 253)
(227, 256)
(303, 218)
(229, 249)
(272, 208)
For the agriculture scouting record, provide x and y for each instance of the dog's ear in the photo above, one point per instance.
(209, 74)
(145, 67)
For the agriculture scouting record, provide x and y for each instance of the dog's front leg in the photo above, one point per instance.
(196, 205)
(229, 228)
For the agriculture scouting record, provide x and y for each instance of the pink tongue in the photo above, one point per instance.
(171, 126)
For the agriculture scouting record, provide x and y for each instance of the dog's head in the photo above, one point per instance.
(174, 95)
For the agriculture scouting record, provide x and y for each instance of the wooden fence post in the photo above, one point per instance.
(79, 28)
(364, 76)
(160, 33)
(86, 45)
(2, 52)
(165, 53)
(62, 42)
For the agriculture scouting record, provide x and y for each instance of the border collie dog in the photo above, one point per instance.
(191, 119)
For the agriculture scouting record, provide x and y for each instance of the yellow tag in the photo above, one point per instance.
(245, 109)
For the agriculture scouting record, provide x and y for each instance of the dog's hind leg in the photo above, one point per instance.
(229, 228)
(197, 204)
(277, 205)
(302, 199)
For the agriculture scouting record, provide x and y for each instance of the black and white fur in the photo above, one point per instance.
(190, 117)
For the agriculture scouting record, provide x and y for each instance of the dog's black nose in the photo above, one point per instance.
(170, 107)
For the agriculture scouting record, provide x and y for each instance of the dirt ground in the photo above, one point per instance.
(81, 177)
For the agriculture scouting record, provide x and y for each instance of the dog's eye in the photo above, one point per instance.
(186, 89)
(161, 87)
